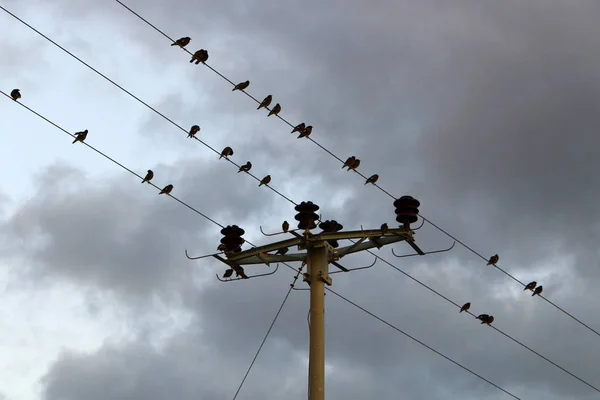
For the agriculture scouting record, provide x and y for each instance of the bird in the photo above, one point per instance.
(193, 130)
(372, 179)
(182, 42)
(222, 248)
(349, 162)
(485, 318)
(354, 165)
(148, 176)
(299, 128)
(167, 189)
(80, 136)
(275, 110)
(285, 226)
(493, 260)
(305, 132)
(265, 180)
(241, 86)
(227, 151)
(200, 56)
(246, 167)
(239, 271)
(266, 102)
(228, 273)
(384, 228)
(530, 286)
(465, 307)
(282, 251)
(15, 94)
(538, 291)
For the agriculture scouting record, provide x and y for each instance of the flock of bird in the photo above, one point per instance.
(352, 163)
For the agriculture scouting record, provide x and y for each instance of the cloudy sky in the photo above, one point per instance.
(485, 111)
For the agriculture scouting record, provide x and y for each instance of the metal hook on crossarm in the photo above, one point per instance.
(198, 258)
(226, 280)
(424, 252)
(354, 269)
(277, 233)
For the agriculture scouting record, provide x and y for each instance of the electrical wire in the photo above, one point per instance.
(364, 176)
(420, 342)
(209, 219)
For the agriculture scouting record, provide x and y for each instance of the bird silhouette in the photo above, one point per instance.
(227, 151)
(538, 290)
(349, 161)
(285, 226)
(148, 176)
(167, 189)
(246, 167)
(182, 42)
(275, 110)
(222, 248)
(485, 319)
(465, 307)
(15, 94)
(530, 286)
(265, 180)
(193, 130)
(372, 179)
(354, 165)
(493, 260)
(200, 56)
(241, 86)
(266, 102)
(299, 128)
(305, 132)
(384, 228)
(80, 136)
(228, 273)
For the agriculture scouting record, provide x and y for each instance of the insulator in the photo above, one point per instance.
(407, 210)
(232, 239)
(306, 216)
(330, 227)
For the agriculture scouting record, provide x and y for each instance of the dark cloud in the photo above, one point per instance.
(485, 112)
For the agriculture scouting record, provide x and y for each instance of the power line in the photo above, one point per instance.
(364, 176)
(420, 342)
(207, 218)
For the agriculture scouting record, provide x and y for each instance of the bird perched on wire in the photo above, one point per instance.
(80, 136)
(275, 110)
(538, 291)
(305, 132)
(384, 228)
(493, 260)
(227, 151)
(148, 176)
(266, 102)
(372, 179)
(285, 226)
(465, 307)
(265, 180)
(182, 42)
(349, 161)
(193, 130)
(15, 94)
(201, 56)
(299, 128)
(354, 165)
(246, 167)
(486, 319)
(167, 189)
(228, 273)
(241, 86)
(530, 286)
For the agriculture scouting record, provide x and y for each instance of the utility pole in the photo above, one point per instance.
(317, 251)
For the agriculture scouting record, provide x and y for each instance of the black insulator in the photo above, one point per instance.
(306, 216)
(232, 239)
(330, 227)
(407, 210)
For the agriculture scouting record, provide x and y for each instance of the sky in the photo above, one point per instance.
(485, 111)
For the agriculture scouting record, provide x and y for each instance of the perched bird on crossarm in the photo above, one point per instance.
(201, 56)
(538, 291)
(222, 248)
(384, 228)
(193, 130)
(227, 151)
(246, 167)
(276, 110)
(530, 286)
(285, 226)
(266, 102)
(167, 189)
(182, 42)
(80, 136)
(241, 86)
(15, 94)
(148, 176)
(282, 251)
(372, 179)
(493, 260)
(265, 180)
(465, 307)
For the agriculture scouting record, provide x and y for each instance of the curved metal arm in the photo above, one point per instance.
(278, 233)
(197, 258)
(356, 269)
(426, 252)
(250, 277)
